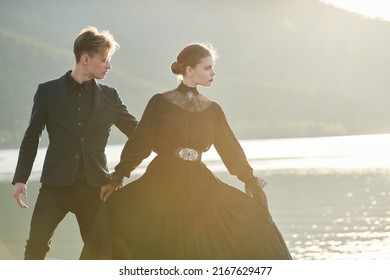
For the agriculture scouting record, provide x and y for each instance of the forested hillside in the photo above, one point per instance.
(287, 68)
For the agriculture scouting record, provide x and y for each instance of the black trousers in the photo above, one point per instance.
(52, 205)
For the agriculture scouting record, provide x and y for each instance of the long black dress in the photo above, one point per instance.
(179, 209)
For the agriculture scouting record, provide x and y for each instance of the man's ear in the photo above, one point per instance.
(85, 58)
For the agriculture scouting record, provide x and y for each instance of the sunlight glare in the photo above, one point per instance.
(378, 9)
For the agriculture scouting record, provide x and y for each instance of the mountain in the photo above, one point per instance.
(286, 68)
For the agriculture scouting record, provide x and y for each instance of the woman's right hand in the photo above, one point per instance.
(115, 179)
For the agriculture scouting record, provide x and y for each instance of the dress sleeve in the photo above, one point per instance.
(140, 144)
(230, 150)
(124, 120)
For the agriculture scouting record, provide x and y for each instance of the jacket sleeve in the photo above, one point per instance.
(29, 146)
(230, 150)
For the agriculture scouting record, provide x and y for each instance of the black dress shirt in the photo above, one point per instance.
(81, 101)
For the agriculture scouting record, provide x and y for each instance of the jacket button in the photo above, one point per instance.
(77, 157)
(82, 139)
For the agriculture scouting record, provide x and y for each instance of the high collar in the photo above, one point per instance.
(87, 85)
(184, 89)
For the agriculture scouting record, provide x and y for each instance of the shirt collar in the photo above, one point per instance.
(74, 85)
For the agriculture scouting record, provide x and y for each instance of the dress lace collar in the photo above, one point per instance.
(189, 92)
(188, 98)
(184, 89)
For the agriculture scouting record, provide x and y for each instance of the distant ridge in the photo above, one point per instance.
(287, 68)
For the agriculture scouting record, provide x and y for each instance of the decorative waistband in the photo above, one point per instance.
(188, 154)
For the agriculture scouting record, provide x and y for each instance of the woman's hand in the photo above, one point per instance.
(255, 190)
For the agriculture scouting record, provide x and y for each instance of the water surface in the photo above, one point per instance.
(329, 196)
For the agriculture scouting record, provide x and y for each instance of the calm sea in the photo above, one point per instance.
(346, 154)
(328, 195)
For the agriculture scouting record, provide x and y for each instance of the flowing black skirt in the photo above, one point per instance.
(183, 213)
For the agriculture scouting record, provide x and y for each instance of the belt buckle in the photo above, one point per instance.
(188, 154)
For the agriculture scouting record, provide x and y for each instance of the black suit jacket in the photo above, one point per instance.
(68, 144)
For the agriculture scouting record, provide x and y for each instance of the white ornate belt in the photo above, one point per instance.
(188, 154)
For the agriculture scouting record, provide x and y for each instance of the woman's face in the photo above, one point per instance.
(203, 73)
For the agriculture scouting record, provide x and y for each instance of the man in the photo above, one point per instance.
(78, 113)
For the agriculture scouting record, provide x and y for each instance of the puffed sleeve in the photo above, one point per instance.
(124, 120)
(140, 144)
(230, 150)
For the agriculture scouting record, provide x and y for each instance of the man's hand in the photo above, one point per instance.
(106, 191)
(20, 189)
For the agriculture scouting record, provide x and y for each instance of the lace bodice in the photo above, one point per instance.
(189, 102)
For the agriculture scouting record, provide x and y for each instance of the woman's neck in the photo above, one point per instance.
(189, 83)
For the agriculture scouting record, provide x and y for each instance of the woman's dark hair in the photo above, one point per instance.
(191, 55)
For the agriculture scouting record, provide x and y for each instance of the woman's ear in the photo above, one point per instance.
(189, 71)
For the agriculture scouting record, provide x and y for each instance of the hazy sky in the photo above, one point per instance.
(369, 8)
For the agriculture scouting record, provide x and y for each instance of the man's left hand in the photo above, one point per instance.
(106, 191)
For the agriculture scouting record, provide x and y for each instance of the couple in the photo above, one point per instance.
(178, 209)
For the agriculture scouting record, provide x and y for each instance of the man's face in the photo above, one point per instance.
(98, 65)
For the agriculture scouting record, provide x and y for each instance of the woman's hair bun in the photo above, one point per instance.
(175, 68)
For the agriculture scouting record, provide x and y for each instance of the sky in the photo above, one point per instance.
(369, 8)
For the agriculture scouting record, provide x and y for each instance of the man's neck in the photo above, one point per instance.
(79, 75)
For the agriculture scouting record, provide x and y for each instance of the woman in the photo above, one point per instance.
(179, 209)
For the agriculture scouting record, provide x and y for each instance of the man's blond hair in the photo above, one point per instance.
(92, 41)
